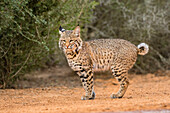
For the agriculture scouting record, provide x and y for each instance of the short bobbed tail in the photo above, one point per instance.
(143, 49)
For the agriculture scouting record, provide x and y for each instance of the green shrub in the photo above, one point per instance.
(29, 33)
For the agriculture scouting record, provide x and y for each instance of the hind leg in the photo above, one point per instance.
(121, 76)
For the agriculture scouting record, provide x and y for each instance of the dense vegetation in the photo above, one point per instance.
(29, 31)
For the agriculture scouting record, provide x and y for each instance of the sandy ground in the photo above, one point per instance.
(59, 91)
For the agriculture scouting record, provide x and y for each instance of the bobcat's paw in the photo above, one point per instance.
(116, 96)
(85, 98)
(88, 98)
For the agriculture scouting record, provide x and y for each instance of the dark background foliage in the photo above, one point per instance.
(136, 21)
(29, 31)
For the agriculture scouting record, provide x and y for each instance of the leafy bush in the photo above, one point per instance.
(29, 33)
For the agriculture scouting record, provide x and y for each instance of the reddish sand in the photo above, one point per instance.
(60, 92)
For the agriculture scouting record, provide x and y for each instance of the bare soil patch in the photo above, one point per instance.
(58, 90)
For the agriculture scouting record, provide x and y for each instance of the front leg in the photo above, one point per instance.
(86, 76)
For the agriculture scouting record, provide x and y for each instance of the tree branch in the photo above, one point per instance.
(21, 66)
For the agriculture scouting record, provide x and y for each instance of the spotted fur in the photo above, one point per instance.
(85, 57)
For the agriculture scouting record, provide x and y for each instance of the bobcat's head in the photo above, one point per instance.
(70, 41)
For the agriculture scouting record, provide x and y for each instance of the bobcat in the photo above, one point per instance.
(85, 57)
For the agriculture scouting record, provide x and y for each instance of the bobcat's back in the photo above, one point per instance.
(108, 52)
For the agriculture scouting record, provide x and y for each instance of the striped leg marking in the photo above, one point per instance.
(86, 77)
(122, 79)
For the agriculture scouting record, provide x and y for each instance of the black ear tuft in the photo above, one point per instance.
(61, 29)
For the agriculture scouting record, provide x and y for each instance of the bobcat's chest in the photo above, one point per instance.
(75, 65)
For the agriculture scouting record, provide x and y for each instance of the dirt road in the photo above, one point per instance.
(53, 92)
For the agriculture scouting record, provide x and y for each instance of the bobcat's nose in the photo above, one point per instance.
(66, 46)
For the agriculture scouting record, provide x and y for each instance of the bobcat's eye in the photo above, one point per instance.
(63, 41)
(71, 41)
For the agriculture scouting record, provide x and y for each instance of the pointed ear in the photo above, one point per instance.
(77, 31)
(61, 30)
